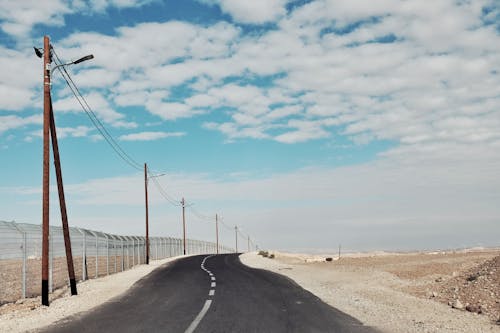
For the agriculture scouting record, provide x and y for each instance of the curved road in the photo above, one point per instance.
(212, 294)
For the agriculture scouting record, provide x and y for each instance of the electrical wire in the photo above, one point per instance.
(94, 119)
(201, 216)
(103, 131)
(164, 194)
(118, 149)
(225, 225)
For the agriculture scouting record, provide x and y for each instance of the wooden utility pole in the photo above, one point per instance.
(49, 132)
(183, 225)
(45, 181)
(147, 213)
(217, 232)
(62, 203)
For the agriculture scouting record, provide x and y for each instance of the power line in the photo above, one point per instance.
(116, 147)
(225, 225)
(200, 215)
(104, 132)
(164, 194)
(94, 119)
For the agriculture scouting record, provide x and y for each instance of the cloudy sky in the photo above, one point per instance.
(371, 124)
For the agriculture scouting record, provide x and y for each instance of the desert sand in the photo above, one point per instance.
(28, 315)
(396, 292)
(392, 292)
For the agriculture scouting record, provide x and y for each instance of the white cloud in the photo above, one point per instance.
(202, 100)
(11, 122)
(19, 17)
(170, 111)
(403, 196)
(232, 131)
(304, 131)
(150, 136)
(75, 132)
(65, 132)
(253, 12)
(324, 60)
(284, 112)
(95, 78)
(100, 106)
(102, 5)
(22, 74)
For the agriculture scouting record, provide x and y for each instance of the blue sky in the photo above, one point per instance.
(308, 123)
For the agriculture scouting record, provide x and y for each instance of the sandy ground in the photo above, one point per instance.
(29, 315)
(386, 291)
(395, 293)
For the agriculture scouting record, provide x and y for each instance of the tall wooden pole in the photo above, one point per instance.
(45, 182)
(147, 213)
(217, 232)
(183, 225)
(62, 204)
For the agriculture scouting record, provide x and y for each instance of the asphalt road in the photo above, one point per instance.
(212, 294)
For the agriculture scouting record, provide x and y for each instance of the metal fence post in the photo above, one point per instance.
(128, 252)
(96, 255)
(107, 254)
(24, 253)
(84, 255)
(114, 250)
(130, 244)
(133, 252)
(156, 248)
(123, 254)
(139, 250)
(51, 263)
(24, 264)
(162, 247)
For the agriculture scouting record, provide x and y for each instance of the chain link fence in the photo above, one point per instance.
(95, 254)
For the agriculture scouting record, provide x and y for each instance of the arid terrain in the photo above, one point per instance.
(456, 291)
(27, 315)
(418, 292)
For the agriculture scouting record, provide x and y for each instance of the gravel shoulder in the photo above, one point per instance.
(29, 316)
(385, 291)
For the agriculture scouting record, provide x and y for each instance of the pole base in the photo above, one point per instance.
(147, 260)
(45, 292)
(72, 284)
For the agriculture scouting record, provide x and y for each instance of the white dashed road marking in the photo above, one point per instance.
(199, 317)
(208, 302)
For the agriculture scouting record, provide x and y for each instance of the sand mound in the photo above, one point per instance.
(475, 290)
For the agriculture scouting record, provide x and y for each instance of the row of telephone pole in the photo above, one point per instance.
(183, 205)
(50, 136)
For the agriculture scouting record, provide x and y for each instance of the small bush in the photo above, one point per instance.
(271, 256)
(263, 253)
(329, 259)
